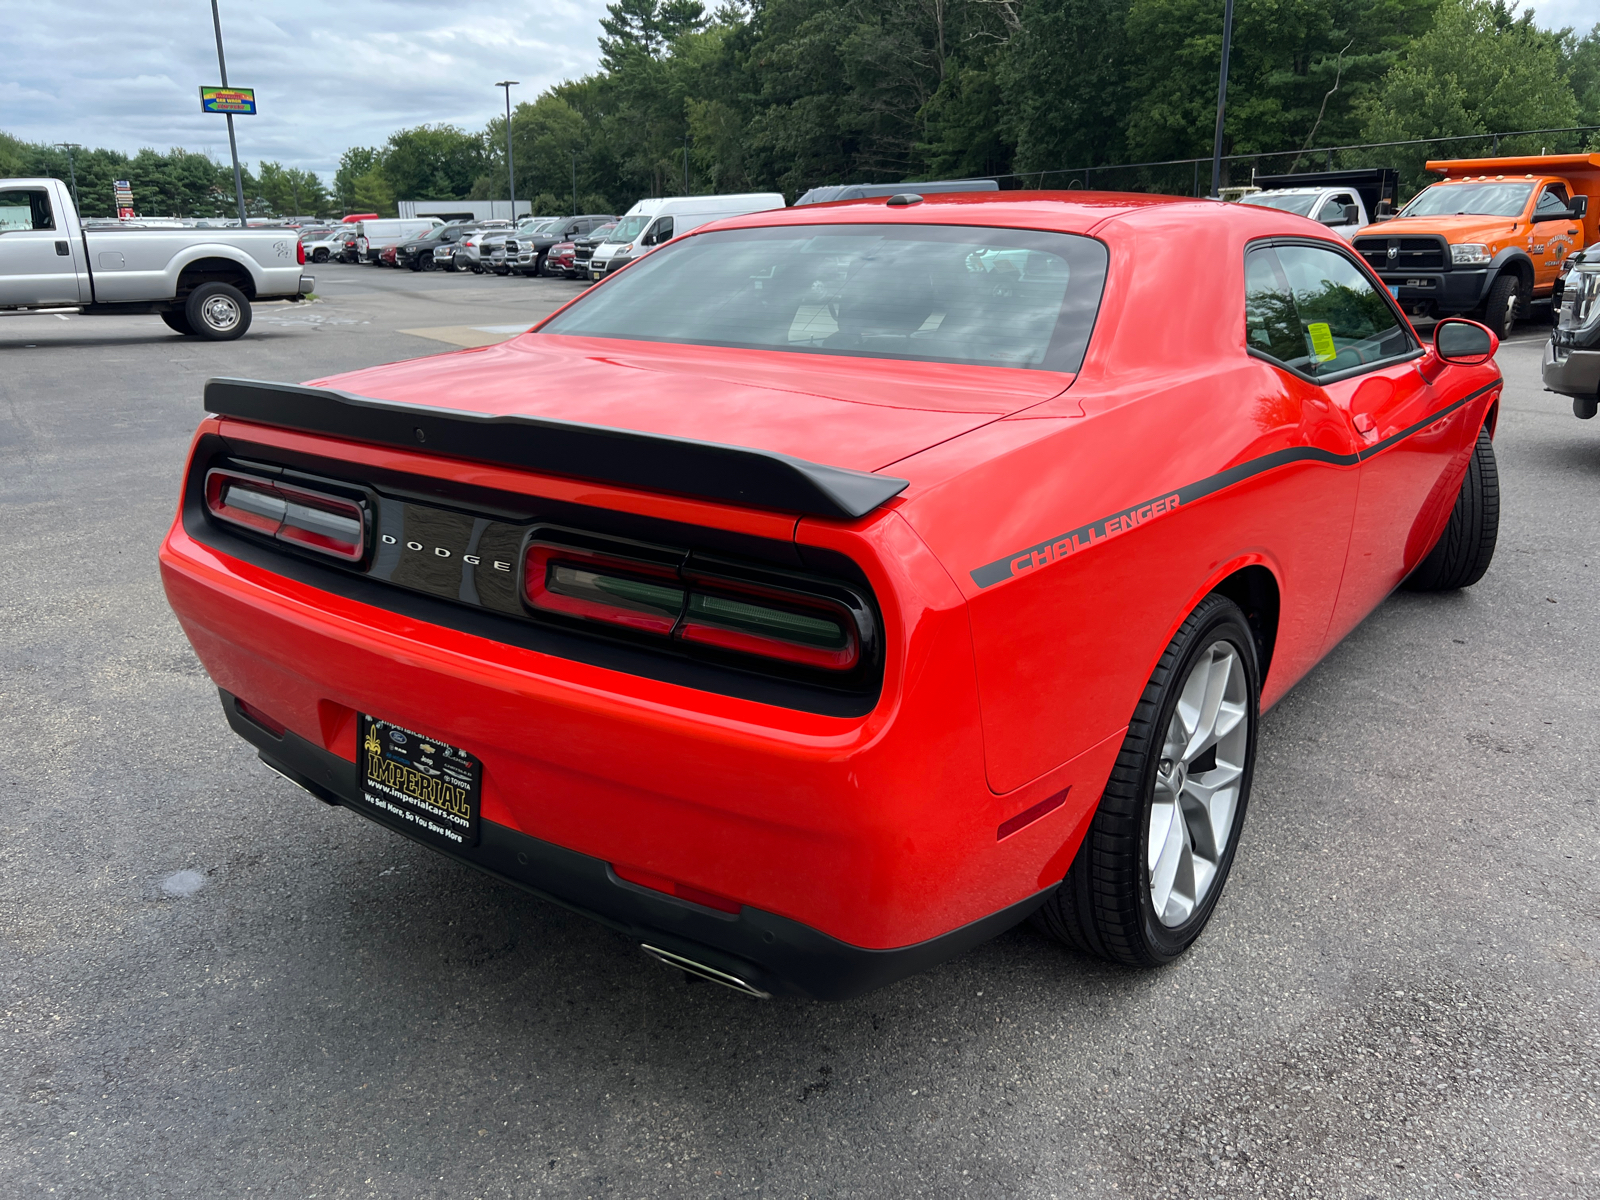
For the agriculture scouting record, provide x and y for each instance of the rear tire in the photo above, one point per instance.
(319, 256)
(1180, 788)
(1500, 310)
(1466, 547)
(218, 312)
(178, 323)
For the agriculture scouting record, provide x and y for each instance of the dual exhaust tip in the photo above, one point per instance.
(700, 970)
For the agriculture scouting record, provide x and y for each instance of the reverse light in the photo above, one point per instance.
(654, 594)
(327, 524)
(1469, 254)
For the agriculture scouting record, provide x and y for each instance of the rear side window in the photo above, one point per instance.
(26, 208)
(962, 294)
(1314, 311)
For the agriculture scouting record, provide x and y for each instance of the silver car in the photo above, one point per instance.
(466, 255)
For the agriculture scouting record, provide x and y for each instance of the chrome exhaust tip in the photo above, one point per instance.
(700, 971)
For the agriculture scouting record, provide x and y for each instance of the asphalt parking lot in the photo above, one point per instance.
(212, 985)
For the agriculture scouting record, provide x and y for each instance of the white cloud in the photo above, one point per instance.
(327, 76)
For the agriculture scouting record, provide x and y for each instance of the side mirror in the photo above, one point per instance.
(1352, 214)
(1579, 208)
(1465, 343)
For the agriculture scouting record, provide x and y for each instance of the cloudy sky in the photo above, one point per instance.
(327, 75)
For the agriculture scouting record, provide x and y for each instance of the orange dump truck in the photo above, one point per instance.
(1489, 238)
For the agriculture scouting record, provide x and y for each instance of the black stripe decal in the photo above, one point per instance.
(1067, 544)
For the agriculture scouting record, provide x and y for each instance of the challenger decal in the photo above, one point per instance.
(1065, 545)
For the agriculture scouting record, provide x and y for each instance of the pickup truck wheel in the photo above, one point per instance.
(1465, 548)
(178, 323)
(1500, 310)
(218, 311)
(1150, 869)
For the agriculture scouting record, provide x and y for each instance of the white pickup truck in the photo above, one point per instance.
(199, 281)
(1344, 201)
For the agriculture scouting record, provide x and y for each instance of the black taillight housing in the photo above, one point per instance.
(326, 524)
(726, 609)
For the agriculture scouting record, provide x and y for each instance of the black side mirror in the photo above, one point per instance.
(1352, 214)
(1463, 342)
(1579, 208)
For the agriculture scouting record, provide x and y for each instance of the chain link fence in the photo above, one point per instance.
(1192, 176)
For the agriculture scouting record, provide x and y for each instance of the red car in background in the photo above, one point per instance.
(836, 587)
(559, 261)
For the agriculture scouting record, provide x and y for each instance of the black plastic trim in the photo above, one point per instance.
(651, 461)
(776, 954)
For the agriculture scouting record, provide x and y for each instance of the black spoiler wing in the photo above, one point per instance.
(650, 461)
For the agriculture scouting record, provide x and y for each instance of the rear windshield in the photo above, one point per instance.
(1470, 199)
(995, 297)
(1300, 205)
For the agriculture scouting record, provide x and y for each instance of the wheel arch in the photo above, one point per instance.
(1517, 263)
(215, 269)
(1251, 581)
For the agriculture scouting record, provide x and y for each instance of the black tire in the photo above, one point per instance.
(178, 323)
(1104, 905)
(1500, 309)
(319, 256)
(218, 312)
(1466, 547)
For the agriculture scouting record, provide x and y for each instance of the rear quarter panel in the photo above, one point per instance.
(1066, 641)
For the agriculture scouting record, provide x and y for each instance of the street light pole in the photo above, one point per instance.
(511, 174)
(233, 145)
(72, 171)
(574, 183)
(1222, 100)
(686, 164)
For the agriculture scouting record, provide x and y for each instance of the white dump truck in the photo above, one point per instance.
(1344, 201)
(199, 281)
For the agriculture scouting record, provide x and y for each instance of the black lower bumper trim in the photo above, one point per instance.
(772, 953)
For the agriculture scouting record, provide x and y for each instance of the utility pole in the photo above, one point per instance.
(72, 171)
(233, 145)
(574, 183)
(686, 164)
(511, 174)
(1222, 100)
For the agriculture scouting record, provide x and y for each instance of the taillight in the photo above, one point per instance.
(327, 524)
(822, 635)
(300, 253)
(660, 598)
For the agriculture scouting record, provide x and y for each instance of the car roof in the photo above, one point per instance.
(1064, 212)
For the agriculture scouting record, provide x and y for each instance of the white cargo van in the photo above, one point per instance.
(650, 222)
(377, 236)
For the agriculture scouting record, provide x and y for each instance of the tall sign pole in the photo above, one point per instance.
(1222, 100)
(233, 145)
(511, 174)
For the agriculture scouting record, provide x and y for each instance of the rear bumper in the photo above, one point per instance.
(771, 953)
(308, 284)
(1572, 373)
(1439, 292)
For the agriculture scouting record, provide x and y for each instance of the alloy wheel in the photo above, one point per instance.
(1197, 784)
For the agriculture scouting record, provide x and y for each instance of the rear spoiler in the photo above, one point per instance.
(650, 461)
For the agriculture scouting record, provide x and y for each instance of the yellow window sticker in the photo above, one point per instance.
(1322, 347)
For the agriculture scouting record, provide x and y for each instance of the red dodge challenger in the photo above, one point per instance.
(836, 587)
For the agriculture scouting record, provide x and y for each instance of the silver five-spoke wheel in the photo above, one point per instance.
(1197, 784)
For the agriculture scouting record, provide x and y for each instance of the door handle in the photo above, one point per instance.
(64, 249)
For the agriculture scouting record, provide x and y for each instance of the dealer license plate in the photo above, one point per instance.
(427, 787)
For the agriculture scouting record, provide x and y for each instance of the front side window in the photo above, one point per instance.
(1552, 204)
(1332, 211)
(995, 297)
(661, 233)
(1470, 200)
(26, 208)
(1314, 311)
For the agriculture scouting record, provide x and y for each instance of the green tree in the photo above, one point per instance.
(634, 28)
(1480, 69)
(373, 192)
(353, 164)
(434, 162)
